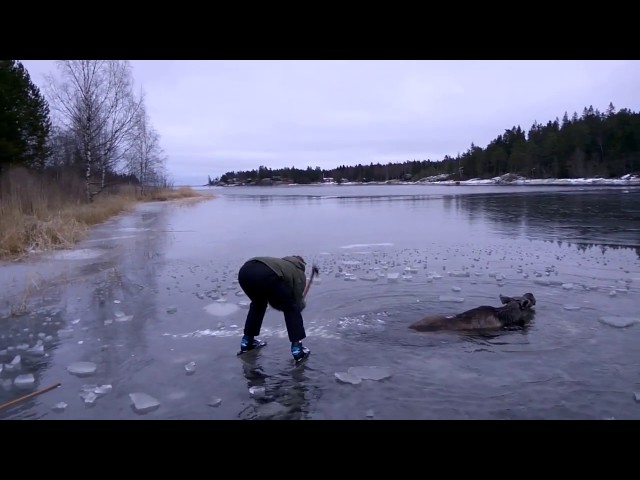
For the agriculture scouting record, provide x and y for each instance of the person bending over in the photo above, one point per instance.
(279, 282)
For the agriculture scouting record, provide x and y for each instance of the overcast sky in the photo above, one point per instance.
(219, 116)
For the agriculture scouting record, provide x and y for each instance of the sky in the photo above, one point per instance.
(217, 116)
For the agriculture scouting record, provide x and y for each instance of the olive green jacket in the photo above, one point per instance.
(292, 271)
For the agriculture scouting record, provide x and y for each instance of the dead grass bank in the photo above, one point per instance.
(42, 213)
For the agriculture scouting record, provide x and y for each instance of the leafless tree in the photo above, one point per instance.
(94, 99)
(145, 158)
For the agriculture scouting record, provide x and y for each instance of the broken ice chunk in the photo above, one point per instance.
(459, 274)
(370, 373)
(82, 369)
(571, 307)
(24, 381)
(619, 322)
(190, 368)
(257, 392)
(214, 402)
(59, 407)
(369, 278)
(143, 403)
(347, 377)
(15, 363)
(121, 317)
(36, 351)
(89, 398)
(102, 389)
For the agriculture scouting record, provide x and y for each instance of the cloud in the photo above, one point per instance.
(216, 116)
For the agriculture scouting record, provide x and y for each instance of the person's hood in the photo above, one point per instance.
(297, 261)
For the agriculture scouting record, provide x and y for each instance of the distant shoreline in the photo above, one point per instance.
(497, 181)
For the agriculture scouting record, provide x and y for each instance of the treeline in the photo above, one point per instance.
(595, 144)
(89, 123)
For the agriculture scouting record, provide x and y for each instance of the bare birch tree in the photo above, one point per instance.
(145, 158)
(94, 99)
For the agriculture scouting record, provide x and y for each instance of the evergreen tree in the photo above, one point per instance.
(24, 119)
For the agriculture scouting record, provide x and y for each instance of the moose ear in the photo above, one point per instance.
(505, 299)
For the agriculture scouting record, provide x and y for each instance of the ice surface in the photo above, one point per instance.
(79, 254)
(271, 409)
(221, 309)
(571, 307)
(172, 309)
(619, 322)
(82, 369)
(143, 403)
(59, 407)
(24, 381)
(369, 413)
(214, 402)
(447, 298)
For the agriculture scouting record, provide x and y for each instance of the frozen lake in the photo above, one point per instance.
(143, 319)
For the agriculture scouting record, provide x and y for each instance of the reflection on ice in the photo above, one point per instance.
(221, 309)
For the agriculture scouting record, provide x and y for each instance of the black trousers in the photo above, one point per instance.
(263, 286)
